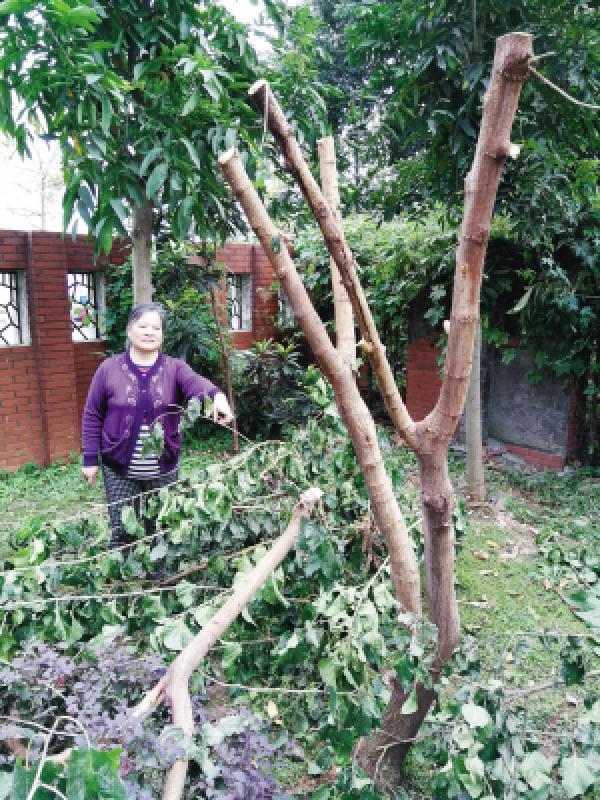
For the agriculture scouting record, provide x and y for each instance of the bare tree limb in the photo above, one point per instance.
(358, 420)
(509, 72)
(345, 340)
(174, 686)
(263, 99)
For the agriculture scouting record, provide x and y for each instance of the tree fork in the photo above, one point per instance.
(263, 99)
(354, 412)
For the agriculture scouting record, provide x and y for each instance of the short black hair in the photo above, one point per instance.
(143, 308)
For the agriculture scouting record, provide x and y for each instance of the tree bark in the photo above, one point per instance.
(358, 420)
(174, 686)
(345, 339)
(142, 253)
(473, 433)
(235, 447)
(263, 99)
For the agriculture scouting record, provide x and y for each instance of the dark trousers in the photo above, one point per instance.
(121, 492)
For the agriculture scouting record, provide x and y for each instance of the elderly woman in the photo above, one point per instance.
(128, 393)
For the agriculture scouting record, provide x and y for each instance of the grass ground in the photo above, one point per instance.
(525, 550)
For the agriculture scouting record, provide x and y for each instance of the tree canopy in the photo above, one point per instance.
(141, 97)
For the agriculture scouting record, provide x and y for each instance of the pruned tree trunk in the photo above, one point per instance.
(353, 410)
(226, 365)
(142, 253)
(429, 438)
(509, 71)
(174, 685)
(345, 339)
(473, 425)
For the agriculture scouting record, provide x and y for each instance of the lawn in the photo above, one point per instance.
(527, 563)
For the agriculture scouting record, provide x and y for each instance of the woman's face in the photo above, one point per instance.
(146, 333)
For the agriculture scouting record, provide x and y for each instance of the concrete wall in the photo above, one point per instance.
(526, 414)
(534, 420)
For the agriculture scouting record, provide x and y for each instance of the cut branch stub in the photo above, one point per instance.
(266, 103)
(354, 412)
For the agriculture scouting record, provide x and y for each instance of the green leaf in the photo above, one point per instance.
(106, 115)
(191, 103)
(576, 775)
(130, 521)
(119, 209)
(110, 786)
(176, 635)
(327, 670)
(476, 716)
(80, 775)
(410, 705)
(191, 152)
(535, 768)
(231, 652)
(105, 237)
(16, 6)
(150, 157)
(522, 302)
(156, 180)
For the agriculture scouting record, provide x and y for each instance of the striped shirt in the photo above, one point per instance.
(143, 467)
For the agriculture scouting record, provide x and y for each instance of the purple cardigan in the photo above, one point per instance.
(120, 397)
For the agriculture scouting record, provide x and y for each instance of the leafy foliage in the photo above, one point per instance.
(97, 688)
(141, 100)
(272, 388)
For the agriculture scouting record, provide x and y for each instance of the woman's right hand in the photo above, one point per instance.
(90, 473)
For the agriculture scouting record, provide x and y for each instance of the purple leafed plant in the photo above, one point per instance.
(100, 689)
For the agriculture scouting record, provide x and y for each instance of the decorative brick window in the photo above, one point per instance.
(239, 301)
(86, 298)
(14, 329)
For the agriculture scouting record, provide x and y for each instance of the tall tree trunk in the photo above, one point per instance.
(509, 71)
(344, 318)
(354, 412)
(473, 433)
(142, 253)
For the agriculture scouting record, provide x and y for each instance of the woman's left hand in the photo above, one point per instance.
(221, 411)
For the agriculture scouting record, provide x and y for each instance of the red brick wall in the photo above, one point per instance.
(422, 377)
(43, 384)
(251, 259)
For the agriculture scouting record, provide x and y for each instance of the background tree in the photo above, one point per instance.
(33, 186)
(140, 98)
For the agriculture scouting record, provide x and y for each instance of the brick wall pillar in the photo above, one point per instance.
(50, 326)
